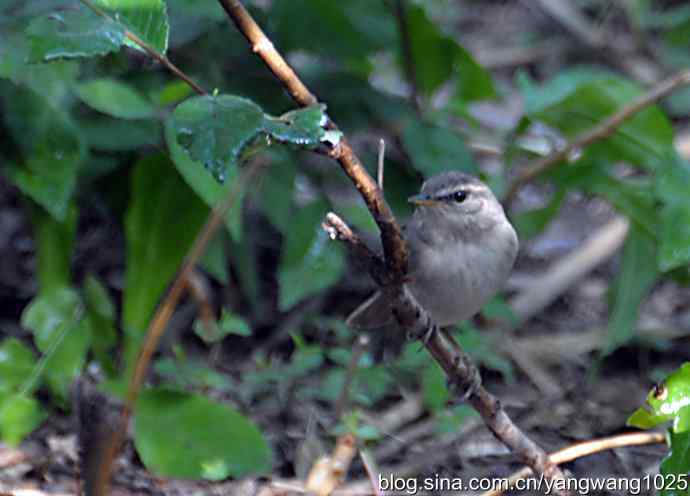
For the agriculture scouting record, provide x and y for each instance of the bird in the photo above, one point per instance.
(462, 249)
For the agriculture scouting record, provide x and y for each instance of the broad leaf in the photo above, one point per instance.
(192, 437)
(676, 466)
(436, 149)
(16, 363)
(163, 218)
(147, 19)
(19, 415)
(672, 188)
(115, 98)
(73, 33)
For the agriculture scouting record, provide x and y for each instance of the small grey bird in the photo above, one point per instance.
(462, 249)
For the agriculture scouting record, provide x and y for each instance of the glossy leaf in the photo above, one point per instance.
(192, 437)
(52, 149)
(214, 130)
(211, 191)
(635, 278)
(302, 127)
(675, 467)
(19, 415)
(668, 401)
(115, 98)
(61, 333)
(73, 33)
(147, 19)
(16, 363)
(163, 218)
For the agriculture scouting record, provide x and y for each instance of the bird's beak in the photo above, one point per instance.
(422, 199)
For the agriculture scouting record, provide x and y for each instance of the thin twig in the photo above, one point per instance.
(381, 162)
(165, 61)
(462, 373)
(586, 448)
(159, 322)
(394, 247)
(601, 131)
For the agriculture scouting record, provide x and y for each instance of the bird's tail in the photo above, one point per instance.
(375, 312)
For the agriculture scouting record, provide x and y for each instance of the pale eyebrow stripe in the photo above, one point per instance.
(470, 188)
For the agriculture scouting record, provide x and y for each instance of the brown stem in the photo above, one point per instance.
(586, 448)
(601, 131)
(151, 51)
(394, 247)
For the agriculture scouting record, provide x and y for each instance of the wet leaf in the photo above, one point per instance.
(148, 19)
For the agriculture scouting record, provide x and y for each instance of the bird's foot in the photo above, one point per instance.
(462, 388)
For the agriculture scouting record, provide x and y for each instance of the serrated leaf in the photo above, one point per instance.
(148, 19)
(115, 98)
(52, 149)
(19, 415)
(192, 437)
(61, 334)
(72, 34)
(211, 191)
(635, 279)
(214, 130)
(163, 218)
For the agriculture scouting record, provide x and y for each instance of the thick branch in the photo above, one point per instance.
(601, 131)
(394, 247)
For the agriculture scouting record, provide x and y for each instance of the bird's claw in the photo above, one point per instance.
(463, 389)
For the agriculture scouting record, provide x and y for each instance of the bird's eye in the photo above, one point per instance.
(460, 196)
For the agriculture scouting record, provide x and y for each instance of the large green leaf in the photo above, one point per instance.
(635, 278)
(676, 466)
(216, 130)
(147, 19)
(435, 149)
(19, 415)
(73, 33)
(61, 333)
(309, 264)
(436, 57)
(163, 218)
(115, 135)
(16, 363)
(54, 241)
(52, 148)
(577, 101)
(673, 189)
(115, 98)
(192, 437)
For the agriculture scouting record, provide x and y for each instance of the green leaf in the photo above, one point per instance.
(16, 363)
(436, 149)
(437, 57)
(668, 401)
(635, 279)
(672, 186)
(676, 466)
(228, 324)
(115, 135)
(52, 149)
(148, 19)
(309, 263)
(54, 241)
(61, 334)
(19, 415)
(163, 218)
(215, 259)
(302, 127)
(210, 190)
(73, 33)
(115, 98)
(100, 313)
(214, 130)
(191, 437)
(584, 99)
(276, 190)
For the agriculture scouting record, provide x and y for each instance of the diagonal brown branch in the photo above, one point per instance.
(599, 132)
(459, 368)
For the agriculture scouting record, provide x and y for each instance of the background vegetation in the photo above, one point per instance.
(111, 165)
